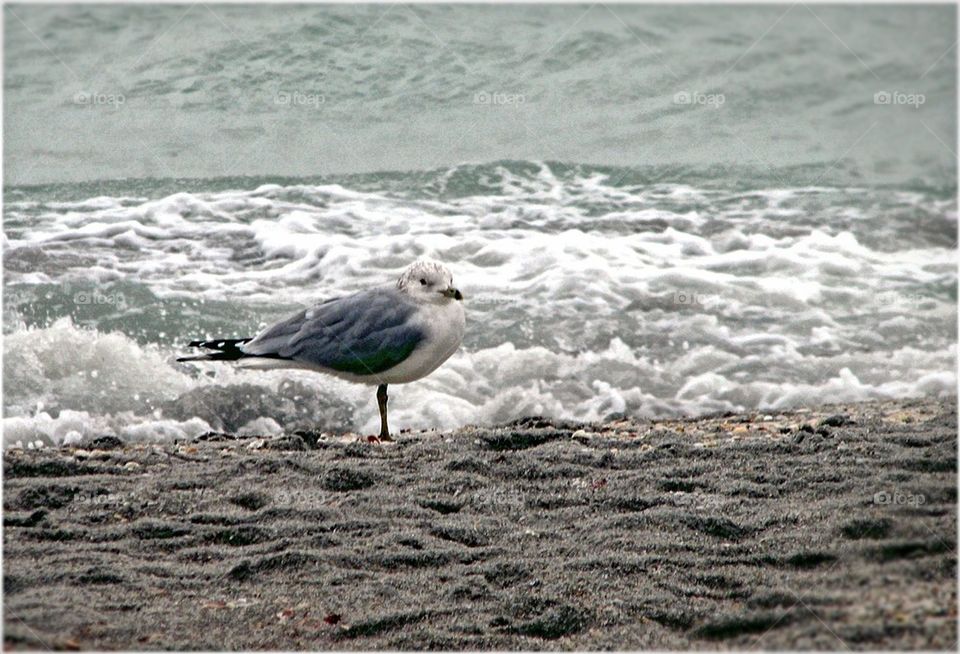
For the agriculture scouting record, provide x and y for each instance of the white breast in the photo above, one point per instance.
(444, 325)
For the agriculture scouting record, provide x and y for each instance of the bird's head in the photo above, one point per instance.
(429, 281)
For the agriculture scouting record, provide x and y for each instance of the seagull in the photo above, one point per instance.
(392, 334)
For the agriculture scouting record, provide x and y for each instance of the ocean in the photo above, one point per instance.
(651, 211)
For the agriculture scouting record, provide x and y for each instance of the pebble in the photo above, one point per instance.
(581, 435)
(837, 420)
(131, 465)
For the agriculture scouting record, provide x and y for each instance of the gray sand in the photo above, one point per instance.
(727, 532)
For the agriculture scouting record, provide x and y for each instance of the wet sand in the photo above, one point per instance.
(821, 529)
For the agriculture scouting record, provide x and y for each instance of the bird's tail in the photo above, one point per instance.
(224, 349)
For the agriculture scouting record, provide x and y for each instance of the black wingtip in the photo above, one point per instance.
(224, 349)
(219, 343)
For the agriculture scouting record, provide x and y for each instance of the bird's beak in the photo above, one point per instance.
(452, 293)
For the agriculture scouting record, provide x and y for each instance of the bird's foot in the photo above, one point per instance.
(386, 438)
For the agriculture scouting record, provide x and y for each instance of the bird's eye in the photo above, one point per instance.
(423, 282)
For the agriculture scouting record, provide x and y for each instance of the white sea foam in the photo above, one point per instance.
(584, 298)
(477, 387)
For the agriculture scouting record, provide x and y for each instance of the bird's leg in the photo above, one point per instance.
(382, 401)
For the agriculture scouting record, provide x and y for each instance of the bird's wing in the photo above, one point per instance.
(364, 334)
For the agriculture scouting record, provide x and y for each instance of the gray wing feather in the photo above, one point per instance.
(365, 333)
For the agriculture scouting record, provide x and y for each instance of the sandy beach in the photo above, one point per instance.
(819, 529)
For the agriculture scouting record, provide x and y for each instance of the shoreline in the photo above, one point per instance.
(813, 528)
